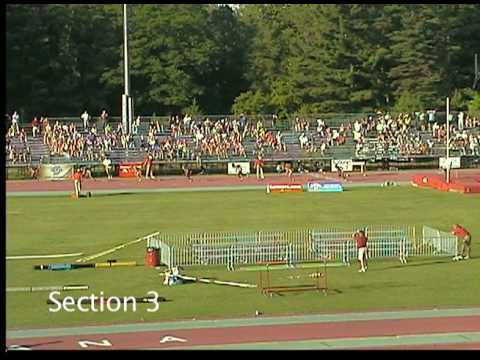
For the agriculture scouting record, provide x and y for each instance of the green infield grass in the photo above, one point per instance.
(51, 225)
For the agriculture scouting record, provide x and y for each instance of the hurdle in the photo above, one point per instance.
(319, 283)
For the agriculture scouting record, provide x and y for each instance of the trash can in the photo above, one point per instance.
(152, 257)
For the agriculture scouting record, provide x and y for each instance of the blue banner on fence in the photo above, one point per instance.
(324, 186)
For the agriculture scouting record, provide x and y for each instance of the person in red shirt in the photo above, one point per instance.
(361, 240)
(77, 182)
(148, 163)
(259, 167)
(463, 234)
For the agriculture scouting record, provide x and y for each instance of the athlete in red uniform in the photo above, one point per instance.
(463, 234)
(259, 167)
(77, 182)
(148, 163)
(361, 240)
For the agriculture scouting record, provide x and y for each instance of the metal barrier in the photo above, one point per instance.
(441, 243)
(291, 247)
(384, 241)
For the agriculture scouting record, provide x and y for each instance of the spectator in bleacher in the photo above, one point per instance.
(303, 139)
(35, 127)
(15, 122)
(104, 115)
(23, 136)
(474, 144)
(85, 118)
(12, 154)
(136, 125)
(323, 147)
(460, 120)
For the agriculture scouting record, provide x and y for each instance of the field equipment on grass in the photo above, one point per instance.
(108, 264)
(47, 288)
(299, 280)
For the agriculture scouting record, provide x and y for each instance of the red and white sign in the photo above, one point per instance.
(127, 169)
(281, 188)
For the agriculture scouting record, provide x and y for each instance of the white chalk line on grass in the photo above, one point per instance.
(28, 257)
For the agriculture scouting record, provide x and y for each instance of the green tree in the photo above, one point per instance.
(474, 105)
(56, 55)
(252, 102)
(408, 102)
(225, 78)
(170, 56)
(417, 56)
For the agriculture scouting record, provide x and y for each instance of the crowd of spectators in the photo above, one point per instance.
(17, 147)
(189, 138)
(390, 134)
(321, 137)
(412, 134)
(220, 139)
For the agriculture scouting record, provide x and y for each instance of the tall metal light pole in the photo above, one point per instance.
(127, 102)
(448, 164)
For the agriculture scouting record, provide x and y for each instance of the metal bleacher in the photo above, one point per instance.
(372, 149)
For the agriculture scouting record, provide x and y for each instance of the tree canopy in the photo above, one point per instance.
(257, 58)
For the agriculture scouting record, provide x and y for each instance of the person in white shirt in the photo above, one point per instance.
(85, 117)
(107, 163)
(460, 121)
(303, 140)
(15, 120)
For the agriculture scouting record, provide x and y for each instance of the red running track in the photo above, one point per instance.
(260, 333)
(220, 181)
